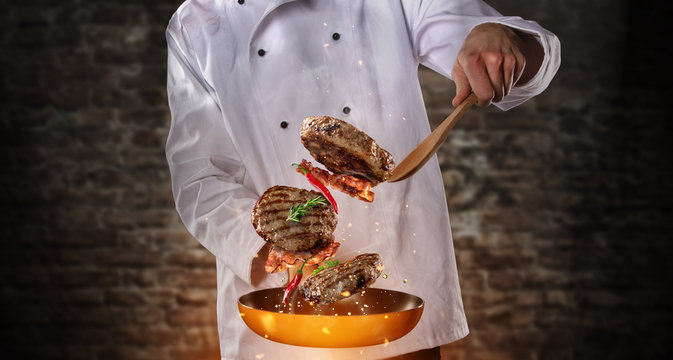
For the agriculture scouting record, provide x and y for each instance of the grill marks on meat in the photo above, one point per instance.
(351, 185)
(342, 281)
(344, 149)
(269, 217)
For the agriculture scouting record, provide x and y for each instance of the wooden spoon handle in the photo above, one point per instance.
(424, 151)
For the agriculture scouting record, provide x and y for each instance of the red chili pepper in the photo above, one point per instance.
(318, 185)
(294, 283)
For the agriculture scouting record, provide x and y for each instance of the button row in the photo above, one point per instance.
(262, 52)
(284, 124)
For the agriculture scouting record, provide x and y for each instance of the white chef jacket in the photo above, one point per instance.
(242, 77)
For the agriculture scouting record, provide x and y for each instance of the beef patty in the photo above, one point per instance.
(269, 217)
(342, 281)
(344, 149)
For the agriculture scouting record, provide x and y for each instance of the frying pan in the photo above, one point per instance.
(370, 317)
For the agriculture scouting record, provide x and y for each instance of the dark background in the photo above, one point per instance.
(561, 208)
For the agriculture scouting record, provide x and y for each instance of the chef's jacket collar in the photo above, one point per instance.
(270, 7)
(273, 5)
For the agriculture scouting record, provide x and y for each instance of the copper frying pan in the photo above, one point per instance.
(371, 317)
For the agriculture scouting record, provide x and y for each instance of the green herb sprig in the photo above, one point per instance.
(298, 211)
(328, 264)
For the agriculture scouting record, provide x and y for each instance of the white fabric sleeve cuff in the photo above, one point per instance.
(438, 30)
(550, 64)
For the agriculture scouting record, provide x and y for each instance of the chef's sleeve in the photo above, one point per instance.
(438, 29)
(206, 170)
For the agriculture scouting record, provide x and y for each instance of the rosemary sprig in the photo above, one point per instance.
(328, 264)
(298, 211)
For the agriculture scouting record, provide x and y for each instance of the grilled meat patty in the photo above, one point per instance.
(269, 217)
(342, 281)
(344, 149)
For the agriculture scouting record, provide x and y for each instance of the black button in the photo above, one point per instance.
(283, 124)
(241, 1)
(336, 36)
(346, 110)
(261, 52)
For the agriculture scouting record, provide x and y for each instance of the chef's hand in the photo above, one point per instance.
(493, 59)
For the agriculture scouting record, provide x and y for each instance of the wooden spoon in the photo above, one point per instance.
(424, 151)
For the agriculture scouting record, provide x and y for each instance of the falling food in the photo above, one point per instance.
(355, 162)
(299, 226)
(341, 281)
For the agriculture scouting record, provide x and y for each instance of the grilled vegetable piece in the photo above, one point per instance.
(318, 185)
(280, 259)
(354, 186)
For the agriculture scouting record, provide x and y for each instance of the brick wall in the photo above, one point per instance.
(561, 208)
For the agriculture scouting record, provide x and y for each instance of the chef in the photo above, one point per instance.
(242, 76)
